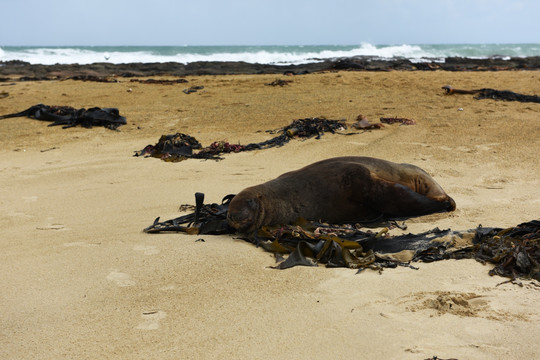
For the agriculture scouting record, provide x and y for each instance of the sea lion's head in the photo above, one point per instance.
(245, 212)
(425, 185)
(451, 204)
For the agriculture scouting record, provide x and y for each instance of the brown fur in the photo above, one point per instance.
(339, 190)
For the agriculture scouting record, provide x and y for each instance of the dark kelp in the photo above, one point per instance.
(180, 146)
(70, 117)
(206, 219)
(493, 94)
(393, 120)
(192, 89)
(514, 251)
(174, 147)
(104, 79)
(159, 81)
(279, 82)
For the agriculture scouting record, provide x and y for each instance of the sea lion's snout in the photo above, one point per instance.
(243, 213)
(451, 204)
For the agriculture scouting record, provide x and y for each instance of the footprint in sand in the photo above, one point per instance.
(448, 302)
(146, 249)
(168, 287)
(151, 319)
(120, 279)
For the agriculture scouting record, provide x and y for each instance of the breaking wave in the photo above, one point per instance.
(280, 55)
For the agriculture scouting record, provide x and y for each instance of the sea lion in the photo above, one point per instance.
(339, 190)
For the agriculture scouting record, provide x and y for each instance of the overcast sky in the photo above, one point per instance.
(270, 22)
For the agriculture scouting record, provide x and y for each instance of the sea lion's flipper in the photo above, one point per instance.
(399, 200)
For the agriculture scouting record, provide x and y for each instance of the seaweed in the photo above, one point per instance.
(159, 81)
(206, 219)
(104, 79)
(514, 251)
(174, 147)
(402, 121)
(192, 89)
(179, 147)
(487, 93)
(279, 82)
(70, 117)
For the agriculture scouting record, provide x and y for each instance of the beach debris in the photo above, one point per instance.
(180, 146)
(192, 89)
(70, 117)
(393, 120)
(514, 251)
(493, 94)
(362, 123)
(160, 81)
(279, 82)
(49, 149)
(4, 94)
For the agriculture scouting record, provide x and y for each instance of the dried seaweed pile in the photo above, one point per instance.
(180, 146)
(515, 251)
(70, 117)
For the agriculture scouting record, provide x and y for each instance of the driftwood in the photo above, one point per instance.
(493, 94)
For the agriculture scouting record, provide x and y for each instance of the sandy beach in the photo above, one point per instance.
(82, 281)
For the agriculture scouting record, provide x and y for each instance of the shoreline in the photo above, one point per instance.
(9, 69)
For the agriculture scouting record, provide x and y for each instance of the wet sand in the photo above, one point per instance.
(80, 279)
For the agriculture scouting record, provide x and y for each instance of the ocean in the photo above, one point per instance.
(277, 55)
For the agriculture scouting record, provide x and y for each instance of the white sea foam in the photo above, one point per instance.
(280, 55)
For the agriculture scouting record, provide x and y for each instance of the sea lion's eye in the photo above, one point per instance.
(252, 204)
